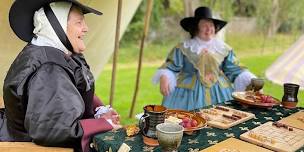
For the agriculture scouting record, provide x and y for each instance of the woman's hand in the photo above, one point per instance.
(164, 85)
(112, 115)
(115, 127)
(113, 118)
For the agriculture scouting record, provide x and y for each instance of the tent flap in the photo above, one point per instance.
(289, 67)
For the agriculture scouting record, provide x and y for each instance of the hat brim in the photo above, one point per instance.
(22, 11)
(190, 23)
(85, 9)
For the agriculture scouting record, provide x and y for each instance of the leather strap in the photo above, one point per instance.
(57, 27)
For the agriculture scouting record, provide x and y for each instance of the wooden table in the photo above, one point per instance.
(202, 139)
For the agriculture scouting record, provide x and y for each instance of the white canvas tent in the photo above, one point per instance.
(99, 40)
(289, 68)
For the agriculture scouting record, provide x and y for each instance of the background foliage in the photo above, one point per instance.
(287, 19)
(247, 48)
(275, 33)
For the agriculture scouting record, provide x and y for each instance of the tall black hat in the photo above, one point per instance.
(22, 12)
(190, 23)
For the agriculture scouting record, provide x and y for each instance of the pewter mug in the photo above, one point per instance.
(256, 84)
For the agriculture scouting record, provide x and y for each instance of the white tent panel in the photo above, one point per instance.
(289, 68)
(100, 40)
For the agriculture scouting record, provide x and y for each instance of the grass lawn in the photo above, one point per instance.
(148, 93)
(124, 90)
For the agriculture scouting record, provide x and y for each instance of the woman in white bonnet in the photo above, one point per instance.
(202, 70)
(49, 88)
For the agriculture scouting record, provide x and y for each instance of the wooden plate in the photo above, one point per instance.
(241, 97)
(201, 122)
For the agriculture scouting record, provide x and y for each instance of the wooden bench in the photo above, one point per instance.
(1, 102)
(27, 146)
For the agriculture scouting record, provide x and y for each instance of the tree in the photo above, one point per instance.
(190, 6)
(222, 8)
(274, 21)
(244, 8)
(271, 15)
(161, 10)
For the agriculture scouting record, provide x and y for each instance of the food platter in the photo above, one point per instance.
(189, 120)
(255, 99)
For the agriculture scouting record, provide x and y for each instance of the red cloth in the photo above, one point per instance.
(91, 127)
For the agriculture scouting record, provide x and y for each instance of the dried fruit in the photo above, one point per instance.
(193, 123)
(132, 130)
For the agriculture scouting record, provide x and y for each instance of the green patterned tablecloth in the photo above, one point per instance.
(201, 139)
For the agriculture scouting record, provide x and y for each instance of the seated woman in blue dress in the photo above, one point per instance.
(202, 70)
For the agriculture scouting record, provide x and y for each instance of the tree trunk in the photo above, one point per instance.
(187, 8)
(166, 4)
(274, 21)
(190, 6)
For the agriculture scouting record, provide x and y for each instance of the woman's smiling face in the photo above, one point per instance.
(76, 29)
(206, 29)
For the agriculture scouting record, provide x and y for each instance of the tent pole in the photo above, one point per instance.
(146, 29)
(116, 49)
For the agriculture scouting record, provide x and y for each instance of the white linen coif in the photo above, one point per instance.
(45, 34)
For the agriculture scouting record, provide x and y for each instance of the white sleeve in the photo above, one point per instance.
(169, 74)
(243, 80)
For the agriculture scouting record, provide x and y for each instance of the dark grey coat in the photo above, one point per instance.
(46, 93)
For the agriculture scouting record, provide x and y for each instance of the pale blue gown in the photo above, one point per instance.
(202, 78)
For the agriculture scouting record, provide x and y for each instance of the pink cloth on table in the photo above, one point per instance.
(91, 127)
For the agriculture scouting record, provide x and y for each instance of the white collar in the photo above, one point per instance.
(196, 45)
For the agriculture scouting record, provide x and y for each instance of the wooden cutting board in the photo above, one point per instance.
(235, 145)
(295, 120)
(279, 139)
(216, 119)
